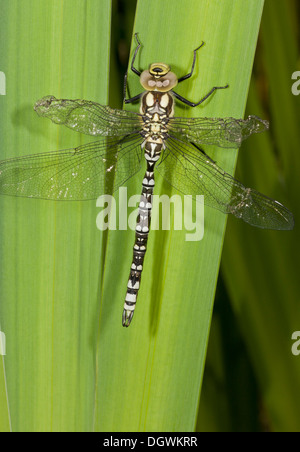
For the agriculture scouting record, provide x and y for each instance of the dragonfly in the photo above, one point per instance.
(171, 144)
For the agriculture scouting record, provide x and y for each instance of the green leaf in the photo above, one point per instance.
(70, 366)
(261, 267)
(50, 252)
(4, 412)
(149, 375)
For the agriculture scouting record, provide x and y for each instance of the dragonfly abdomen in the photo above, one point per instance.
(152, 154)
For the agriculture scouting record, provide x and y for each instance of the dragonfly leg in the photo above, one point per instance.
(135, 98)
(131, 99)
(193, 65)
(125, 86)
(134, 56)
(195, 104)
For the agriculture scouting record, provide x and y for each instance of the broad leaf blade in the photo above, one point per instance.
(150, 374)
(50, 252)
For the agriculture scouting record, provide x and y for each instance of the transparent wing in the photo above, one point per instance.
(192, 173)
(88, 117)
(226, 132)
(72, 174)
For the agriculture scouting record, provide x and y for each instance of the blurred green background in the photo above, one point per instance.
(249, 361)
(251, 378)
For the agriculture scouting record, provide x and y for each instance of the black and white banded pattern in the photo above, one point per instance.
(156, 108)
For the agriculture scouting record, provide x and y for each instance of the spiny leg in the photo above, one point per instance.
(125, 87)
(134, 56)
(193, 65)
(181, 79)
(132, 99)
(195, 104)
(136, 71)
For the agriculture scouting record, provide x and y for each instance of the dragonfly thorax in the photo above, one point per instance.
(156, 109)
(157, 105)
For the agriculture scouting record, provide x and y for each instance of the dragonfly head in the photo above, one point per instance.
(159, 69)
(158, 78)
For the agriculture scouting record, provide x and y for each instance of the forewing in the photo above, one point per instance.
(224, 132)
(88, 117)
(192, 173)
(75, 174)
